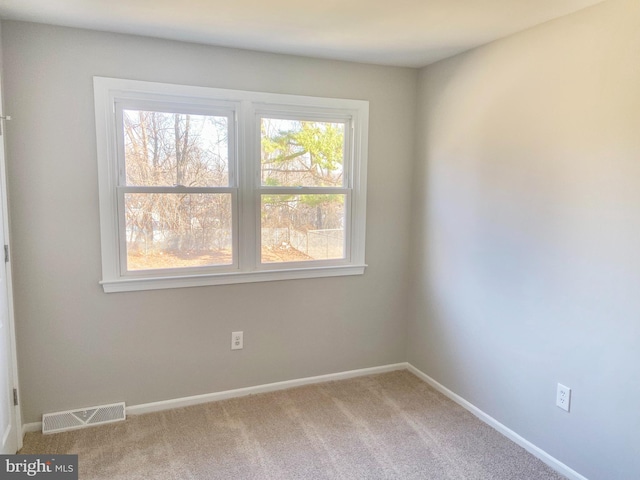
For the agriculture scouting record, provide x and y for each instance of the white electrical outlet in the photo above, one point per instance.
(563, 397)
(237, 340)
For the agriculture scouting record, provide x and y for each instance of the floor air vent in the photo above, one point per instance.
(86, 417)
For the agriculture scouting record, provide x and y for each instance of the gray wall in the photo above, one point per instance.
(524, 227)
(527, 234)
(79, 346)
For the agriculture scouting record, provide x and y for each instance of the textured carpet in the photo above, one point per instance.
(387, 426)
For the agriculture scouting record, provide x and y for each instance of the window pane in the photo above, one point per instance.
(300, 153)
(302, 227)
(167, 149)
(177, 230)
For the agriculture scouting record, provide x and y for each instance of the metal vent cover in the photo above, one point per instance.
(84, 417)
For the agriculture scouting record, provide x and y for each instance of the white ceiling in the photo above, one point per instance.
(410, 33)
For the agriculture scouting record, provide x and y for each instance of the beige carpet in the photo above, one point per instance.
(387, 426)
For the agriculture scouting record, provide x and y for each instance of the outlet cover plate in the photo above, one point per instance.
(563, 397)
(237, 340)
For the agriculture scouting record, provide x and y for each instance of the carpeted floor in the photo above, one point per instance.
(387, 426)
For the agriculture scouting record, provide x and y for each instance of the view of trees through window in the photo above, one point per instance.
(175, 217)
(298, 154)
(165, 229)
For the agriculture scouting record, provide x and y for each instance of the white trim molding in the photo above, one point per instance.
(242, 189)
(534, 450)
(241, 392)
(31, 427)
(153, 283)
(537, 452)
(269, 387)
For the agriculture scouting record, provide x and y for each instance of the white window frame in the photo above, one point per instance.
(245, 108)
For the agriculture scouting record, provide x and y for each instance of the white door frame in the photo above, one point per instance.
(13, 359)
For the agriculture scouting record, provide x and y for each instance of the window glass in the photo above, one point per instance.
(175, 149)
(177, 230)
(298, 153)
(207, 186)
(299, 228)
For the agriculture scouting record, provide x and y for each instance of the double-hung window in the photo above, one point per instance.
(203, 186)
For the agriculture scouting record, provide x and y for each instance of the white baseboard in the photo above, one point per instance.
(553, 462)
(272, 387)
(269, 387)
(31, 427)
(240, 392)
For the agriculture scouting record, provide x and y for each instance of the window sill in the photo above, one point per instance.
(158, 283)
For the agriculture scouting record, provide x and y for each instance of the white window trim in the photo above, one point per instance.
(248, 106)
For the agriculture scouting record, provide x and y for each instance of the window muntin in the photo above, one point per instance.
(228, 196)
